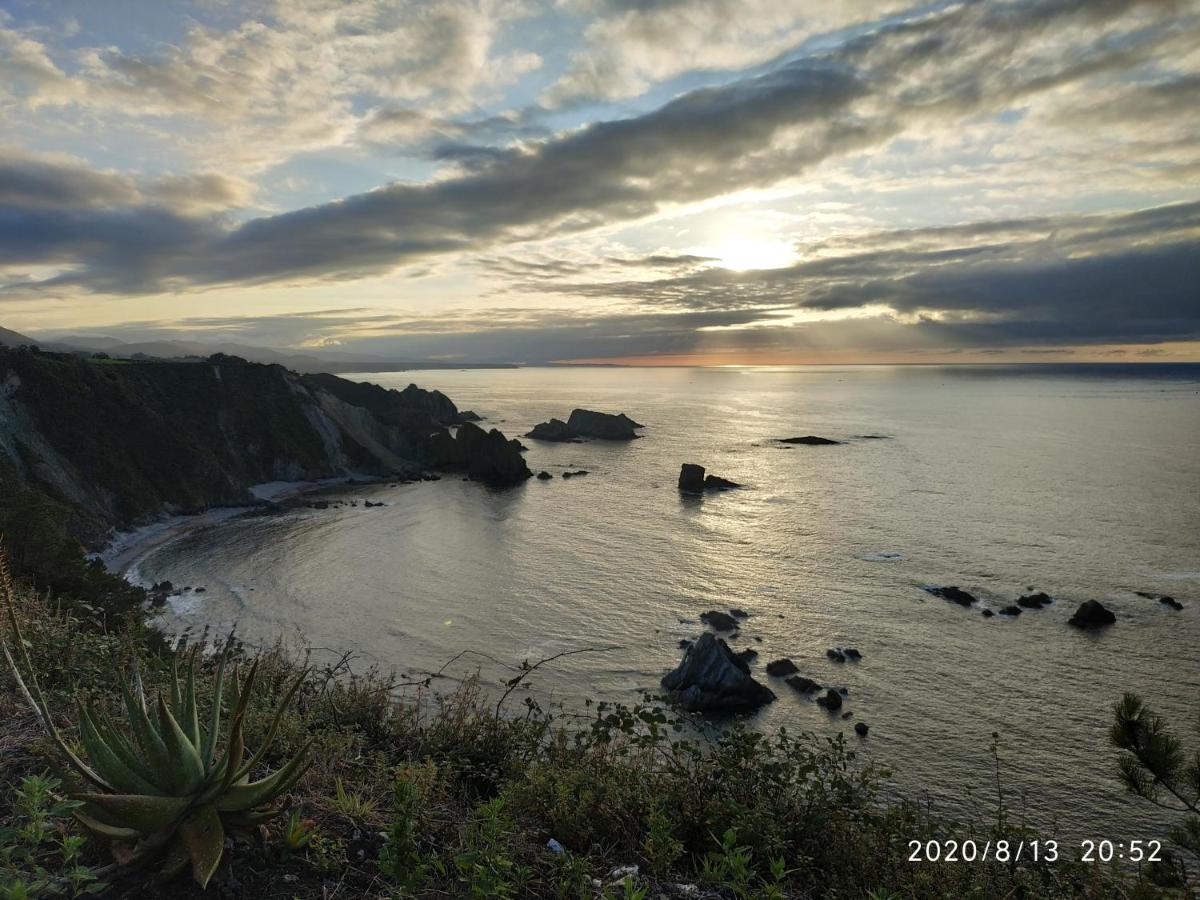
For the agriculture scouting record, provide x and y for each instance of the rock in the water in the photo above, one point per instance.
(739, 613)
(484, 455)
(469, 415)
(684, 643)
(1034, 601)
(851, 653)
(544, 475)
(606, 426)
(802, 684)
(554, 430)
(1091, 614)
(718, 620)
(861, 728)
(810, 439)
(835, 655)
(1011, 610)
(691, 478)
(576, 472)
(712, 678)
(953, 594)
(781, 667)
(748, 655)
(715, 483)
(987, 613)
(1161, 598)
(832, 700)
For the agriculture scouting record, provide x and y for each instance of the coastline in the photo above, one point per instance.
(127, 549)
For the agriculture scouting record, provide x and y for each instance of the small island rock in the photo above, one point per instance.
(719, 621)
(781, 667)
(1092, 614)
(810, 439)
(712, 678)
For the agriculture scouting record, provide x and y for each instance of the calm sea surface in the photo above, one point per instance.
(1080, 481)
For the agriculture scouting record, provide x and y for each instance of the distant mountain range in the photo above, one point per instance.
(310, 362)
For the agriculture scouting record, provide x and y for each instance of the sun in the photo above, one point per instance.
(739, 253)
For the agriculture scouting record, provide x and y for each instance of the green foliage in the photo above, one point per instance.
(400, 859)
(164, 785)
(39, 856)
(351, 805)
(1154, 765)
(298, 832)
(661, 848)
(484, 863)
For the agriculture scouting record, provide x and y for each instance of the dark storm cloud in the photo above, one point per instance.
(955, 62)
(1132, 276)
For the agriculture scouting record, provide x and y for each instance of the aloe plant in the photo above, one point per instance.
(165, 786)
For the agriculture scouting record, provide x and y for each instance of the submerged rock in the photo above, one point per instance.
(861, 728)
(719, 621)
(1034, 601)
(987, 613)
(712, 678)
(739, 613)
(851, 653)
(1161, 598)
(1092, 614)
(835, 655)
(781, 667)
(1011, 610)
(953, 594)
(573, 474)
(715, 483)
(810, 439)
(544, 475)
(802, 684)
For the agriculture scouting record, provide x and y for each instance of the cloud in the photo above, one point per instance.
(928, 72)
(633, 44)
(291, 77)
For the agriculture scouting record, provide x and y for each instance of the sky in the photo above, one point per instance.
(719, 182)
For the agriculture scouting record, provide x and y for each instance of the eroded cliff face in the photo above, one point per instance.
(124, 442)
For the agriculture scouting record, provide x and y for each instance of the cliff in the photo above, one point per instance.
(118, 442)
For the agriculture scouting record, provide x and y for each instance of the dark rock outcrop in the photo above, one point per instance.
(719, 621)
(486, 456)
(587, 423)
(1161, 598)
(692, 480)
(1011, 610)
(851, 653)
(573, 474)
(748, 655)
(739, 613)
(832, 700)
(809, 439)
(802, 684)
(544, 475)
(1034, 601)
(835, 655)
(779, 668)
(953, 594)
(712, 678)
(987, 613)
(469, 415)
(554, 430)
(861, 728)
(1092, 614)
(716, 483)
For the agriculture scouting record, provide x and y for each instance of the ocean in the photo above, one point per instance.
(1081, 481)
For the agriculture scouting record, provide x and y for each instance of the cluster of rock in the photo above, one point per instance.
(586, 423)
(1090, 614)
(712, 678)
(1163, 599)
(486, 456)
(692, 480)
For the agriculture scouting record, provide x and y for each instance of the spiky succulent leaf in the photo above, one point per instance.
(204, 837)
(111, 767)
(186, 767)
(274, 727)
(245, 796)
(143, 813)
(104, 830)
